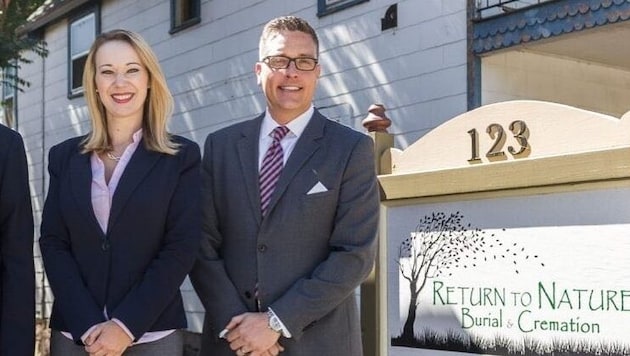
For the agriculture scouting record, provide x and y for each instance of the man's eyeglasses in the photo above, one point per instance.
(283, 62)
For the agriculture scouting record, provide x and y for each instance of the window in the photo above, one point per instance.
(325, 7)
(8, 96)
(184, 13)
(81, 34)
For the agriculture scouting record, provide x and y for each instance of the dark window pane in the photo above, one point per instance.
(184, 13)
(77, 72)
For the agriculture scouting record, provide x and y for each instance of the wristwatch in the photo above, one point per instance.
(274, 322)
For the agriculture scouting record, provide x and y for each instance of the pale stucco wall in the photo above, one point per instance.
(528, 75)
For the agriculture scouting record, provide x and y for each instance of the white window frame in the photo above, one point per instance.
(86, 24)
(8, 98)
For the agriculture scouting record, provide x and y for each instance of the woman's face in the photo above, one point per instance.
(121, 80)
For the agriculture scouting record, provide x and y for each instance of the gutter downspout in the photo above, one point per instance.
(43, 188)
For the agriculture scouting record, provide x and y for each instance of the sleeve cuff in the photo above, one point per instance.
(122, 326)
(285, 331)
(87, 333)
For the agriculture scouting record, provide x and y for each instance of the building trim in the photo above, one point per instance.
(51, 12)
(544, 21)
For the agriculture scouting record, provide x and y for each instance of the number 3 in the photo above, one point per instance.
(518, 128)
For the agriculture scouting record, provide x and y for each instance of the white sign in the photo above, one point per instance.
(511, 275)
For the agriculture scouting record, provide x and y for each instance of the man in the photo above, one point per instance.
(17, 279)
(280, 260)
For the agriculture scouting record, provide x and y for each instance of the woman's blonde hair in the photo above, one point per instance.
(158, 105)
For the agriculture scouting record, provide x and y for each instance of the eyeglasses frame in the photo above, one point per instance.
(294, 60)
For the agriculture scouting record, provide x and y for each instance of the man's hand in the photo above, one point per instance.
(250, 335)
(107, 339)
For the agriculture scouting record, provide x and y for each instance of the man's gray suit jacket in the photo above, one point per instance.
(307, 255)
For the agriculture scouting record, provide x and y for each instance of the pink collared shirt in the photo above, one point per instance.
(102, 192)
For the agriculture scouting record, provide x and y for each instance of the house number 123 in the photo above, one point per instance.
(520, 132)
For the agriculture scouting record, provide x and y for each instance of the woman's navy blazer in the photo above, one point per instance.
(135, 269)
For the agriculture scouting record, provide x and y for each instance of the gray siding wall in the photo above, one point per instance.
(417, 70)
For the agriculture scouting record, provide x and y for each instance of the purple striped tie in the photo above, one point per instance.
(271, 168)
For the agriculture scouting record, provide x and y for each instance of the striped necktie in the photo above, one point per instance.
(271, 167)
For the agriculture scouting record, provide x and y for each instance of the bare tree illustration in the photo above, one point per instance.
(442, 242)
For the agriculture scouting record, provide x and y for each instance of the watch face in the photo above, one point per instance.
(274, 324)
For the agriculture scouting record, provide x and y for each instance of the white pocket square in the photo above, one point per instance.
(317, 188)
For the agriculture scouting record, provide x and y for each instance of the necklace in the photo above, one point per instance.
(112, 156)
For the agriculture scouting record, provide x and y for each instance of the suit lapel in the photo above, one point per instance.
(306, 146)
(247, 147)
(138, 167)
(81, 186)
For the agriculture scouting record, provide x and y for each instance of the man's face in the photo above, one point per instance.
(289, 91)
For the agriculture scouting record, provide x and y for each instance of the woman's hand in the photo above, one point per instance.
(107, 339)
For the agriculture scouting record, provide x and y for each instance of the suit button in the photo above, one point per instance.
(248, 294)
(262, 248)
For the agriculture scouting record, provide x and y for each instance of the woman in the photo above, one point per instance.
(120, 227)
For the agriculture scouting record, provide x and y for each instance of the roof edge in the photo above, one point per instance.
(56, 10)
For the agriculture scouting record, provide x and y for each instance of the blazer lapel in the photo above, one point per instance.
(138, 167)
(247, 147)
(81, 186)
(306, 146)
